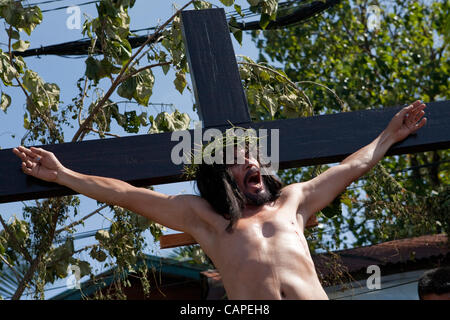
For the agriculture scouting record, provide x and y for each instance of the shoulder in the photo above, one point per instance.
(293, 194)
(206, 218)
(293, 190)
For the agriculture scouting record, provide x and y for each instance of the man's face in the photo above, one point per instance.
(248, 177)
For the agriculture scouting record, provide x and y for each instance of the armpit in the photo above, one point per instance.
(312, 222)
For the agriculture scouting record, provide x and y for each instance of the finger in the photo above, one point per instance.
(21, 155)
(414, 110)
(39, 151)
(420, 124)
(405, 110)
(30, 164)
(27, 152)
(419, 115)
(414, 105)
(417, 103)
(25, 169)
(418, 109)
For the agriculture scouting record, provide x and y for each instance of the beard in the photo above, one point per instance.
(260, 198)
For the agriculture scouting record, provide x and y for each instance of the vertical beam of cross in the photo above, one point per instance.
(215, 75)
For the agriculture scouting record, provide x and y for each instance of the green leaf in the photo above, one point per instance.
(5, 102)
(165, 68)
(2, 250)
(200, 5)
(254, 2)
(264, 21)
(26, 122)
(237, 33)
(102, 236)
(138, 87)
(127, 88)
(21, 45)
(165, 122)
(227, 2)
(98, 254)
(19, 64)
(13, 34)
(85, 268)
(180, 81)
(132, 122)
(98, 69)
(144, 88)
(7, 71)
(239, 10)
(333, 209)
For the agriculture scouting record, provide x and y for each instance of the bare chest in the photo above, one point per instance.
(265, 253)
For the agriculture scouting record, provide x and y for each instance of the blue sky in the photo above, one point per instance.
(66, 71)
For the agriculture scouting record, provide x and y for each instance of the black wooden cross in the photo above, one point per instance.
(144, 160)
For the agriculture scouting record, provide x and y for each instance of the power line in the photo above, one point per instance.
(43, 2)
(65, 7)
(81, 47)
(59, 8)
(247, 11)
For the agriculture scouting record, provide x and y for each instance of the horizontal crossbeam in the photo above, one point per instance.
(144, 160)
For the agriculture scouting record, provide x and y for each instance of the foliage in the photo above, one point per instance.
(404, 59)
(192, 254)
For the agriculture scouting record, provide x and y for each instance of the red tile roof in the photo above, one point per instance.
(391, 252)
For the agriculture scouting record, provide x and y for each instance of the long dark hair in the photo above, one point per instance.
(217, 185)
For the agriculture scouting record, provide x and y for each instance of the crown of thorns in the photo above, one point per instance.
(213, 152)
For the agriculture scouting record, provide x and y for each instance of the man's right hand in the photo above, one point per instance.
(39, 163)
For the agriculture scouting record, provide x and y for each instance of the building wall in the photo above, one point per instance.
(399, 286)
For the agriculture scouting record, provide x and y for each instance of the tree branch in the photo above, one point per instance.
(43, 117)
(79, 135)
(145, 68)
(36, 261)
(281, 75)
(81, 220)
(12, 268)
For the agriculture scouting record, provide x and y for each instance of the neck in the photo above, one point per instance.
(251, 210)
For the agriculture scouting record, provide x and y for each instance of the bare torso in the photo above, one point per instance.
(266, 256)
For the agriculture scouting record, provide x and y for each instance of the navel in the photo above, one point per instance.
(283, 295)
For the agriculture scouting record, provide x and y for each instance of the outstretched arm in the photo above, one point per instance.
(176, 212)
(320, 191)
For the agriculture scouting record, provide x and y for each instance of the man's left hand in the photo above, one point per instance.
(407, 121)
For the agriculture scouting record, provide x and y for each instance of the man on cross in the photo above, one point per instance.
(249, 225)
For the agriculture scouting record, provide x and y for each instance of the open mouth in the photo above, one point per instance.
(252, 177)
